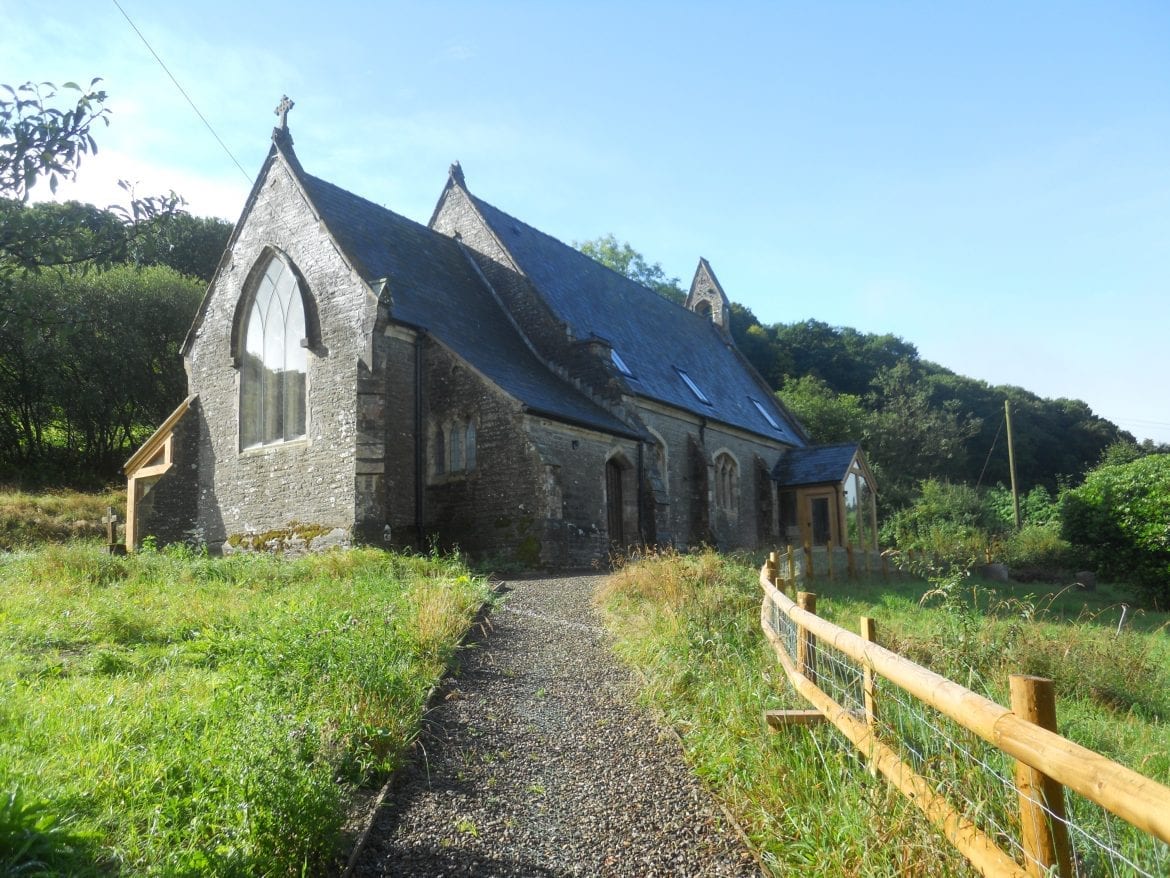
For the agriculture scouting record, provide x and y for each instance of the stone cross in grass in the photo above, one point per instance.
(110, 520)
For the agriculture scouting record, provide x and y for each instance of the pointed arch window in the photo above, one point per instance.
(470, 450)
(726, 484)
(274, 362)
(439, 452)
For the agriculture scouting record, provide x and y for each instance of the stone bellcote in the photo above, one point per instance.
(707, 298)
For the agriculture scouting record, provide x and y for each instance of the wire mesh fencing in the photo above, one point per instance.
(986, 801)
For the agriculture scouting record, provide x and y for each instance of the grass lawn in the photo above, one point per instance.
(691, 625)
(170, 714)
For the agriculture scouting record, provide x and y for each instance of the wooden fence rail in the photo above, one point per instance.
(1045, 757)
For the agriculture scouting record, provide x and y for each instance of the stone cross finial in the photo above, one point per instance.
(282, 111)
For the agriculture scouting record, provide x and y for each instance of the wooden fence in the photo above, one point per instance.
(811, 563)
(1046, 764)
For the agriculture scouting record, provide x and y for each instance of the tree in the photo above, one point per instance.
(87, 382)
(910, 438)
(1121, 517)
(828, 417)
(624, 259)
(192, 245)
(88, 352)
(41, 140)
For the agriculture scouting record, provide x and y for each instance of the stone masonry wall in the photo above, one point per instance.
(311, 481)
(494, 508)
(536, 495)
(399, 349)
(577, 526)
(691, 494)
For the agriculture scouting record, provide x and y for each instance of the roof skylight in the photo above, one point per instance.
(767, 414)
(702, 397)
(620, 363)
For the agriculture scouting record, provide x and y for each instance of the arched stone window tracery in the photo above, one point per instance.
(726, 484)
(274, 361)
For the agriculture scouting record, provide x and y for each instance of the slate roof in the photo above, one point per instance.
(654, 337)
(818, 465)
(433, 286)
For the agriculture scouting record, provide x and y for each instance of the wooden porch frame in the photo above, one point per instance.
(148, 464)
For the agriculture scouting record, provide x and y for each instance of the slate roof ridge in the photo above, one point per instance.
(377, 231)
(642, 298)
(585, 259)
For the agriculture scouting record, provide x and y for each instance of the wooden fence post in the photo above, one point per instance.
(869, 687)
(1043, 830)
(770, 567)
(810, 572)
(851, 565)
(791, 568)
(806, 641)
(829, 557)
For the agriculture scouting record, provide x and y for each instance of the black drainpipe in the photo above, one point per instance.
(419, 440)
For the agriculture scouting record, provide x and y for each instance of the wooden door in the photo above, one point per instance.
(615, 508)
(819, 524)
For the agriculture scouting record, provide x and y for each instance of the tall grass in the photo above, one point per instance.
(28, 519)
(691, 625)
(172, 714)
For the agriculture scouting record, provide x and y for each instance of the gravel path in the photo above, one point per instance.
(537, 762)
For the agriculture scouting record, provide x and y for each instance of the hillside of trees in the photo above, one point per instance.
(916, 419)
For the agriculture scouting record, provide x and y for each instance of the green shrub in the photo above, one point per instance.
(1037, 546)
(949, 522)
(1037, 507)
(1121, 517)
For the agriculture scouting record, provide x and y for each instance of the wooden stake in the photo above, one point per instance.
(809, 571)
(770, 564)
(850, 564)
(868, 685)
(791, 568)
(1043, 831)
(829, 558)
(806, 641)
(1007, 414)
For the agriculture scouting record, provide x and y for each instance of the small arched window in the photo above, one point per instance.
(457, 448)
(726, 484)
(470, 450)
(272, 380)
(439, 452)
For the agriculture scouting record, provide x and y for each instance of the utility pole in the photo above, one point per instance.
(1007, 413)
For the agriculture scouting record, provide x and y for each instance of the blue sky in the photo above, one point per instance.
(989, 181)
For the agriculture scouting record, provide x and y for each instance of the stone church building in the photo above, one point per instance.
(355, 376)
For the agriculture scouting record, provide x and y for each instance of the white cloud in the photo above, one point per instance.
(97, 183)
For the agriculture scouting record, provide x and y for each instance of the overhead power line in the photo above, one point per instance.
(182, 91)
